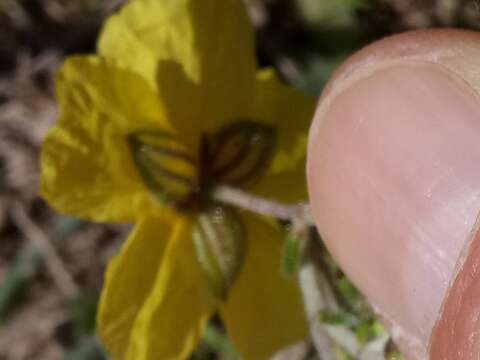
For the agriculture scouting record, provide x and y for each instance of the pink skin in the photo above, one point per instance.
(394, 181)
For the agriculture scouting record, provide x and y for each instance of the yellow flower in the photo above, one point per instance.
(185, 68)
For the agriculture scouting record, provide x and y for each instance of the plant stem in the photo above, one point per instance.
(239, 198)
(318, 292)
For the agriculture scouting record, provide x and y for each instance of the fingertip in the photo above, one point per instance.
(392, 173)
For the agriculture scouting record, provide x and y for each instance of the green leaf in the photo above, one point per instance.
(330, 318)
(17, 280)
(219, 238)
(83, 312)
(337, 318)
(316, 72)
(87, 349)
(330, 14)
(218, 341)
(349, 292)
(395, 355)
(342, 354)
(291, 254)
(367, 331)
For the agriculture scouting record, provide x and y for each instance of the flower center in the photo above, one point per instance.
(237, 154)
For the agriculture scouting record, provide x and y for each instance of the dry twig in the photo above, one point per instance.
(39, 239)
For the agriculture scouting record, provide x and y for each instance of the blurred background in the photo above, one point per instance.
(46, 260)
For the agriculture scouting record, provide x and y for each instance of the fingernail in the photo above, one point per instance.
(394, 181)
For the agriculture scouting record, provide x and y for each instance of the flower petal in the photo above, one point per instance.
(212, 40)
(291, 111)
(198, 54)
(129, 280)
(175, 314)
(265, 311)
(156, 302)
(86, 164)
